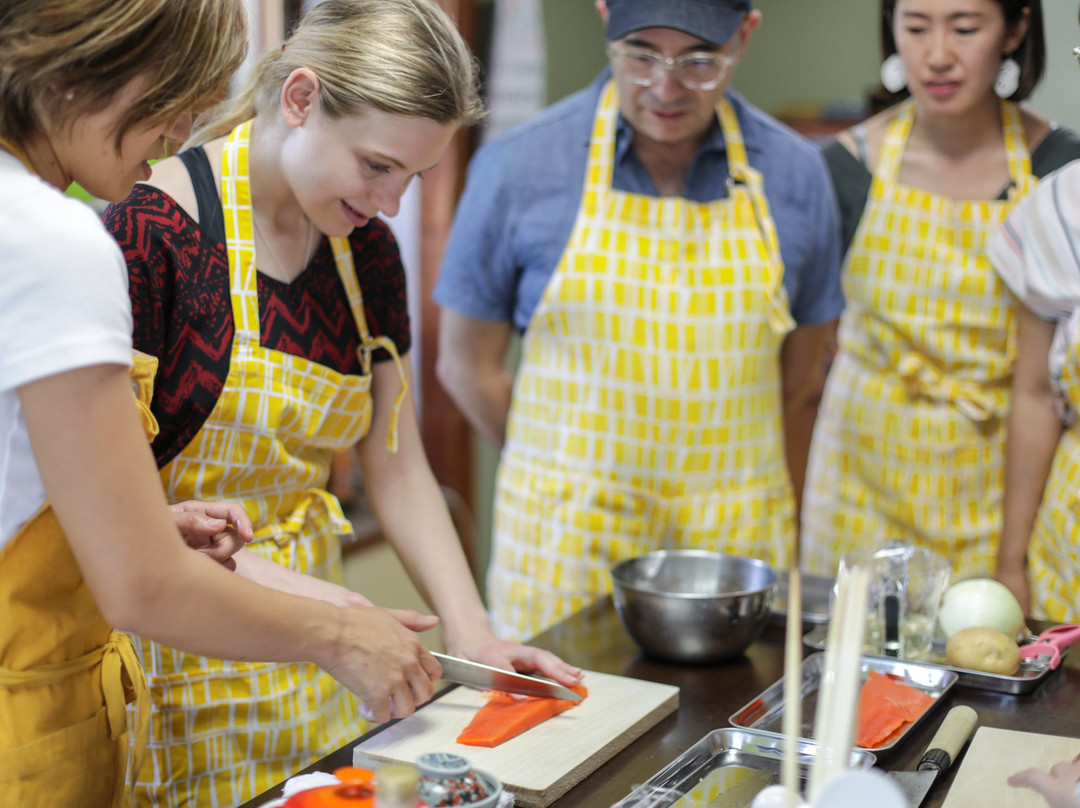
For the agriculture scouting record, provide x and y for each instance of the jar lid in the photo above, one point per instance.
(397, 782)
(439, 765)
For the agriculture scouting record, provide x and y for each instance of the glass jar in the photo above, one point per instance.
(397, 785)
(448, 779)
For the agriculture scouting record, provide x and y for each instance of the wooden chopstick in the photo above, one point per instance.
(789, 770)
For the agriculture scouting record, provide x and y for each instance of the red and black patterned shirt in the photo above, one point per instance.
(179, 287)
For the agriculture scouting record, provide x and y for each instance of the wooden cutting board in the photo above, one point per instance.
(994, 755)
(542, 764)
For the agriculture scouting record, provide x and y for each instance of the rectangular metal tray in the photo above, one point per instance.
(1031, 674)
(765, 713)
(816, 591)
(735, 763)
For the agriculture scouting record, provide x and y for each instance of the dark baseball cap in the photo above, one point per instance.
(714, 21)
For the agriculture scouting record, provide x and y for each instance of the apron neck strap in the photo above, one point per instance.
(18, 153)
(896, 137)
(1016, 148)
(239, 233)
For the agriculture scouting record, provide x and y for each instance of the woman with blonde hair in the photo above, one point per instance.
(262, 278)
(90, 92)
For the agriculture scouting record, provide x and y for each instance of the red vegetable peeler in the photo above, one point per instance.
(1051, 643)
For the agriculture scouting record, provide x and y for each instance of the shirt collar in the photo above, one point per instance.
(714, 140)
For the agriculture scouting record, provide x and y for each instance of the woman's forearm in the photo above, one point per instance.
(255, 567)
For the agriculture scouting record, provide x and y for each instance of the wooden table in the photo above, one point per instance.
(595, 640)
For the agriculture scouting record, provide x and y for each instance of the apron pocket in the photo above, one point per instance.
(79, 765)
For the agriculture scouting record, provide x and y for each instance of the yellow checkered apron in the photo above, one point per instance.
(1054, 551)
(646, 410)
(909, 441)
(223, 732)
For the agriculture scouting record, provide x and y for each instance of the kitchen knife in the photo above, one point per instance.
(486, 677)
(943, 750)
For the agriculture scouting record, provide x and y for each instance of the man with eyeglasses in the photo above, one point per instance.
(671, 256)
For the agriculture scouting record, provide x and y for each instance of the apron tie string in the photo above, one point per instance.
(365, 350)
(777, 306)
(143, 371)
(284, 531)
(922, 376)
(117, 659)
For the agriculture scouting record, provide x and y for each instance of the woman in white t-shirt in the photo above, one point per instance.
(90, 91)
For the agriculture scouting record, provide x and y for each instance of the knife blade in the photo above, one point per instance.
(942, 751)
(485, 677)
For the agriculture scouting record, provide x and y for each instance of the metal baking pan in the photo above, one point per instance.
(765, 713)
(728, 767)
(816, 591)
(1031, 674)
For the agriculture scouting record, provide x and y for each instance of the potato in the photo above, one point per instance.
(983, 649)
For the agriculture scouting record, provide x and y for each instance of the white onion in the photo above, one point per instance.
(980, 603)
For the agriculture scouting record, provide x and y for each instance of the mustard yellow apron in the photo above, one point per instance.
(647, 411)
(223, 732)
(909, 441)
(1054, 550)
(65, 675)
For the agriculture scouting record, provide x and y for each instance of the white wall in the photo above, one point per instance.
(1058, 97)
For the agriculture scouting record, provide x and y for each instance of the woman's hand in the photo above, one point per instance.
(382, 660)
(217, 529)
(517, 657)
(1058, 786)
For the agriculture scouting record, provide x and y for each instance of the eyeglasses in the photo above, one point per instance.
(694, 71)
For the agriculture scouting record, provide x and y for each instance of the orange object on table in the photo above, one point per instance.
(505, 716)
(356, 790)
(886, 707)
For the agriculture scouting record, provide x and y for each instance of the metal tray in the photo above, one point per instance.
(735, 763)
(816, 591)
(1031, 674)
(765, 713)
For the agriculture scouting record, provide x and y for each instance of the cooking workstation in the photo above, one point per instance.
(656, 732)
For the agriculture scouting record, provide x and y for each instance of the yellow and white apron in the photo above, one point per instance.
(223, 732)
(909, 440)
(65, 675)
(1054, 550)
(647, 410)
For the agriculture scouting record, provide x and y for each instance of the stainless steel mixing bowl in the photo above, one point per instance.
(693, 605)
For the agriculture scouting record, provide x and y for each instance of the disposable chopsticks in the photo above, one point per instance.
(838, 693)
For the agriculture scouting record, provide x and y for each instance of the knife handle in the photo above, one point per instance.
(945, 746)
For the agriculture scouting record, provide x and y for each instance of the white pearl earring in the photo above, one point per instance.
(893, 74)
(1008, 78)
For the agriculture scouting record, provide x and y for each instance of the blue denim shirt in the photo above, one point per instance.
(524, 187)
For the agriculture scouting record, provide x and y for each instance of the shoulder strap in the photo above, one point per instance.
(858, 133)
(211, 216)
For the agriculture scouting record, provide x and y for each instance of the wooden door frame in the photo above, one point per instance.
(447, 435)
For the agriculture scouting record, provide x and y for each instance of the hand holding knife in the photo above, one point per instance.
(485, 677)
